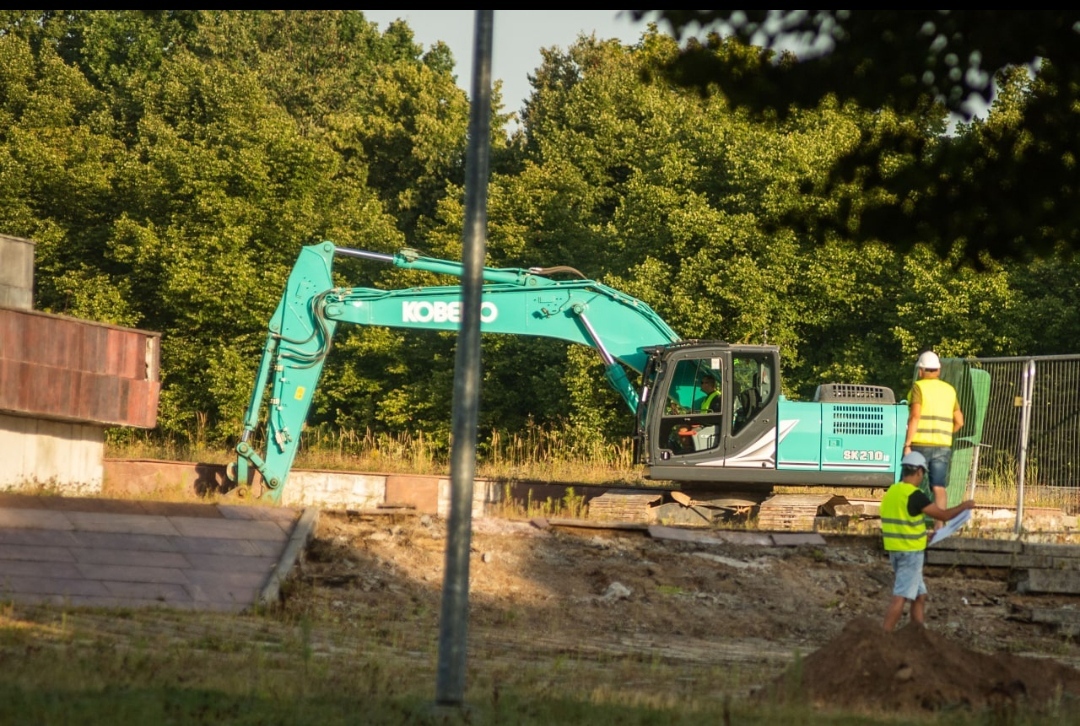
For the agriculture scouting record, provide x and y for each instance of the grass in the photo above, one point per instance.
(513, 462)
(514, 506)
(138, 667)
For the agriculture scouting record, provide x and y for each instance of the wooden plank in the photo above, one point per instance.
(622, 506)
(735, 503)
(973, 544)
(722, 538)
(826, 501)
(816, 500)
(799, 519)
(857, 510)
(586, 524)
(746, 538)
(787, 525)
(795, 539)
(1061, 551)
(796, 511)
(683, 535)
(1063, 563)
(1056, 616)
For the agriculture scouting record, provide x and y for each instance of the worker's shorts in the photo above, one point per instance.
(908, 567)
(937, 462)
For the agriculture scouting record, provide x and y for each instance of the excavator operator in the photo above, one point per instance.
(711, 402)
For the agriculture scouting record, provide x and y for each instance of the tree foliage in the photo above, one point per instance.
(1008, 189)
(170, 164)
(176, 161)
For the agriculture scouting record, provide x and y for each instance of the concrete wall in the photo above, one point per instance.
(334, 489)
(16, 273)
(306, 487)
(65, 456)
(350, 490)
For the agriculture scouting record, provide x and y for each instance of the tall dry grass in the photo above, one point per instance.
(535, 453)
(999, 482)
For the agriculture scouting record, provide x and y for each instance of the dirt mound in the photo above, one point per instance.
(916, 669)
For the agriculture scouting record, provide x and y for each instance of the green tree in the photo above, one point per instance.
(171, 163)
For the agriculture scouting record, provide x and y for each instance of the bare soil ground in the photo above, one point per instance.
(727, 621)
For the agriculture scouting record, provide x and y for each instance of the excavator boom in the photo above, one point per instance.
(513, 301)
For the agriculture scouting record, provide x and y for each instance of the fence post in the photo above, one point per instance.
(1027, 386)
(975, 469)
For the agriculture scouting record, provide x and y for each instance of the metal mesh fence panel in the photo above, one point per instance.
(1031, 436)
(1053, 448)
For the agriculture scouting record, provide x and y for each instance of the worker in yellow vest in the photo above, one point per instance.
(934, 415)
(711, 402)
(903, 528)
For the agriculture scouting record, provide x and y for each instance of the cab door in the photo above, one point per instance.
(752, 437)
(679, 429)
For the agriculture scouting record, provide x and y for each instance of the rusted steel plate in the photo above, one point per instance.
(57, 367)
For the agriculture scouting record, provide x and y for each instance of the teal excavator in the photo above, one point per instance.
(850, 435)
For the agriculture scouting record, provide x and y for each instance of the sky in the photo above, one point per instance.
(517, 37)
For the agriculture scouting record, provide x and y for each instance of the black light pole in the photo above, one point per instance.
(454, 621)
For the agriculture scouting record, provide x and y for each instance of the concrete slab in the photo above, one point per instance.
(125, 523)
(36, 553)
(85, 552)
(34, 519)
(198, 527)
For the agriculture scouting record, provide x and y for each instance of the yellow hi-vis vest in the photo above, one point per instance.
(708, 401)
(936, 416)
(901, 531)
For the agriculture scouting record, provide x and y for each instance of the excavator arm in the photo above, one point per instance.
(513, 301)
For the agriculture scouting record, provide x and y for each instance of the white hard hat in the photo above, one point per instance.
(929, 360)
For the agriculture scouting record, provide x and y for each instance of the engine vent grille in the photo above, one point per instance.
(853, 393)
(858, 420)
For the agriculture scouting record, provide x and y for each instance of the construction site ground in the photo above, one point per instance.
(613, 614)
(748, 612)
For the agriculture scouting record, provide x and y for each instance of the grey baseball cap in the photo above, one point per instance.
(914, 459)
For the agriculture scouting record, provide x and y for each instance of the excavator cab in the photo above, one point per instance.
(692, 420)
(849, 435)
(674, 430)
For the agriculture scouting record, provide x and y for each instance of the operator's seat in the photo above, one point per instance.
(750, 400)
(747, 402)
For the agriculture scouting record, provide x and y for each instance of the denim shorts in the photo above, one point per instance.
(908, 567)
(937, 462)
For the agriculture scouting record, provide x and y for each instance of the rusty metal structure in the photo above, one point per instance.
(63, 381)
